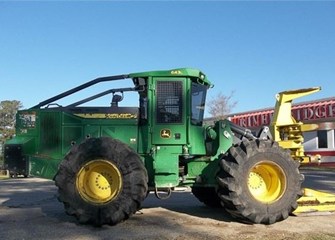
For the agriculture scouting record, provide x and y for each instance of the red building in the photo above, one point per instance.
(320, 112)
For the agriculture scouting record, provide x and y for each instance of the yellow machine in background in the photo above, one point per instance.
(289, 134)
(285, 129)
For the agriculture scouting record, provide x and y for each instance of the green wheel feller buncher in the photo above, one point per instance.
(105, 160)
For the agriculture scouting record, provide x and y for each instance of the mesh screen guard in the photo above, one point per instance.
(169, 105)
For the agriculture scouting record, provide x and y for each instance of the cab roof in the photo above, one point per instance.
(178, 72)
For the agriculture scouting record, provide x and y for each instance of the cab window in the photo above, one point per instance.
(169, 102)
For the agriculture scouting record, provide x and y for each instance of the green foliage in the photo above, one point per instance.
(8, 110)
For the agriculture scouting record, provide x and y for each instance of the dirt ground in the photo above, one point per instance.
(29, 210)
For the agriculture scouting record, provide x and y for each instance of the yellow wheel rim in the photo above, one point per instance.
(267, 182)
(99, 181)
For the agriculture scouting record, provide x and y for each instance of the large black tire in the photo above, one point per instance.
(208, 196)
(259, 182)
(101, 181)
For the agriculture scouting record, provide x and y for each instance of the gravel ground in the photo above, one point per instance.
(29, 210)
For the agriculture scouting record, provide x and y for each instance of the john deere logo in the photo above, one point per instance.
(165, 133)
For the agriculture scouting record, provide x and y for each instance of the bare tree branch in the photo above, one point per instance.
(221, 105)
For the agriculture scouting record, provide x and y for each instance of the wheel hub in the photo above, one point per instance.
(103, 181)
(255, 181)
(267, 182)
(99, 181)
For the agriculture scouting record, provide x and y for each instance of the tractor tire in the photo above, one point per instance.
(259, 182)
(208, 196)
(101, 181)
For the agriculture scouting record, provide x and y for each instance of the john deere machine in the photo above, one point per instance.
(105, 159)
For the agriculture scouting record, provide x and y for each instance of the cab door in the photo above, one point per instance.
(168, 130)
(169, 114)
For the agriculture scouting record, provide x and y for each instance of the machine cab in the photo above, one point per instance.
(175, 101)
(173, 109)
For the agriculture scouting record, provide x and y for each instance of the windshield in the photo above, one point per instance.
(198, 103)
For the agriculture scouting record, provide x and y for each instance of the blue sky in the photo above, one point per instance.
(254, 49)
